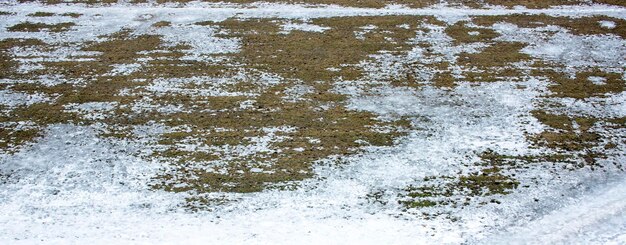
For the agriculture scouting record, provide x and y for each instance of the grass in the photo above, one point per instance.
(162, 24)
(11, 139)
(582, 87)
(38, 27)
(496, 173)
(357, 3)
(313, 53)
(298, 55)
(490, 182)
(73, 15)
(576, 136)
(444, 80)
(497, 55)
(492, 179)
(461, 33)
(41, 14)
(564, 135)
(494, 62)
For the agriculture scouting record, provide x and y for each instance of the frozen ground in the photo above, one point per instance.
(73, 186)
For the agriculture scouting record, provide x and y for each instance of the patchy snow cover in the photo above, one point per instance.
(12, 99)
(202, 40)
(73, 186)
(125, 69)
(92, 110)
(568, 49)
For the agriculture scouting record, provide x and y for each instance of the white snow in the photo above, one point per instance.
(125, 69)
(290, 26)
(599, 216)
(12, 99)
(608, 24)
(92, 110)
(566, 48)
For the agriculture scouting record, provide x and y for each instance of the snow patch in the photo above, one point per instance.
(92, 110)
(12, 98)
(566, 48)
(607, 24)
(291, 26)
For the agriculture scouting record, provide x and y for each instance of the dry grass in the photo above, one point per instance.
(41, 14)
(162, 24)
(494, 62)
(73, 15)
(582, 86)
(575, 135)
(461, 33)
(37, 27)
(491, 180)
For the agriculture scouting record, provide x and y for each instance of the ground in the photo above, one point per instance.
(460, 122)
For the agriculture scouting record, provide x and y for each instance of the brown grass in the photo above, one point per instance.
(41, 14)
(494, 62)
(37, 27)
(581, 87)
(460, 32)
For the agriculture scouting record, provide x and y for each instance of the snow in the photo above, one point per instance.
(597, 80)
(13, 99)
(92, 110)
(608, 24)
(290, 26)
(73, 186)
(125, 69)
(566, 48)
(596, 216)
(202, 40)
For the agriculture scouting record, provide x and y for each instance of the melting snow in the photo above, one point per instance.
(73, 186)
